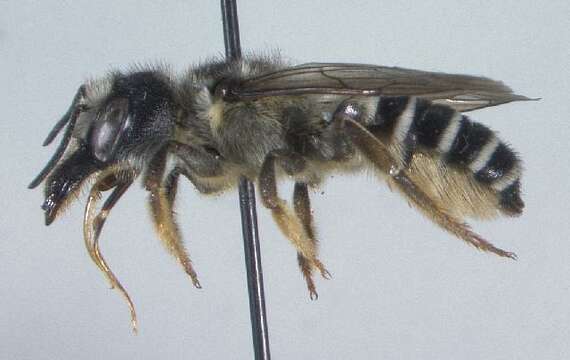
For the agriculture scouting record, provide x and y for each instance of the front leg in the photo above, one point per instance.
(292, 226)
(203, 167)
(161, 201)
(198, 161)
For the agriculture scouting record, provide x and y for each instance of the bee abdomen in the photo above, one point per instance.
(412, 124)
(491, 161)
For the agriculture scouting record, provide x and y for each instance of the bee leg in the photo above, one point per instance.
(171, 185)
(291, 225)
(378, 154)
(199, 165)
(198, 161)
(93, 224)
(302, 205)
(161, 200)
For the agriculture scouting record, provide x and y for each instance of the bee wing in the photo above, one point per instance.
(462, 92)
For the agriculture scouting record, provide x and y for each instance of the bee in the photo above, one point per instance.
(260, 118)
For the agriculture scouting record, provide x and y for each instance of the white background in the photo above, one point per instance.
(402, 288)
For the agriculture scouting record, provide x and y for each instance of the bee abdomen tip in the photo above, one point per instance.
(510, 199)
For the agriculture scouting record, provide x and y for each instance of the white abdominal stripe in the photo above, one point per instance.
(412, 122)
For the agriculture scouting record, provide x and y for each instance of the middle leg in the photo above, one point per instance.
(296, 227)
(302, 205)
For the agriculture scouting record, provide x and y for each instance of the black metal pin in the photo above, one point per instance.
(248, 213)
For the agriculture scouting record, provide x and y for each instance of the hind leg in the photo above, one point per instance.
(377, 153)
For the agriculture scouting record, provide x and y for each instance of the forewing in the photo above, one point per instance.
(462, 92)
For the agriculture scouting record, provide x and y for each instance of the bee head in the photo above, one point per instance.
(118, 121)
(135, 116)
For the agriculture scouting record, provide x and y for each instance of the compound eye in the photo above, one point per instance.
(108, 128)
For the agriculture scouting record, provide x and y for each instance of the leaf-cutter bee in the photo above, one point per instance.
(262, 119)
